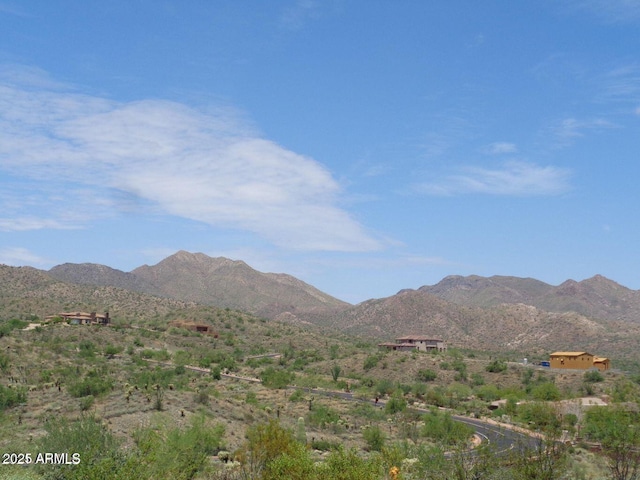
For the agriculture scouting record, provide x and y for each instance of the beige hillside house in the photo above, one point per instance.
(81, 318)
(416, 342)
(578, 361)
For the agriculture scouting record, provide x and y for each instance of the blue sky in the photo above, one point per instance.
(361, 146)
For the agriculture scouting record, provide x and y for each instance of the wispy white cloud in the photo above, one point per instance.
(621, 84)
(513, 178)
(616, 11)
(567, 130)
(208, 166)
(31, 223)
(17, 256)
(500, 148)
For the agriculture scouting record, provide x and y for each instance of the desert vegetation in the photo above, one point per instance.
(151, 401)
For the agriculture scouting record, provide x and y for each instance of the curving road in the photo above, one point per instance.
(501, 438)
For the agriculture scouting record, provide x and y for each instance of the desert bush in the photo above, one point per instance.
(265, 443)
(593, 376)
(111, 350)
(441, 428)
(216, 372)
(320, 415)
(97, 449)
(396, 403)
(10, 397)
(384, 387)
(371, 361)
(419, 389)
(8, 326)
(297, 395)
(488, 393)
(374, 437)
(497, 366)
(539, 415)
(94, 383)
(86, 349)
(175, 453)
(274, 378)
(348, 465)
(5, 362)
(87, 402)
(427, 375)
(546, 391)
(477, 379)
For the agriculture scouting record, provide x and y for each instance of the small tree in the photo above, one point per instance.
(375, 438)
(335, 372)
(619, 433)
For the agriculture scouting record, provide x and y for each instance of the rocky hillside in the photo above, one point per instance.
(100, 275)
(597, 297)
(505, 327)
(497, 313)
(26, 292)
(196, 277)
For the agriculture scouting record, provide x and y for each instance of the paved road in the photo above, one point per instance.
(502, 438)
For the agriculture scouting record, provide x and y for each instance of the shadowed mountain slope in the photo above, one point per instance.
(597, 297)
(228, 283)
(505, 327)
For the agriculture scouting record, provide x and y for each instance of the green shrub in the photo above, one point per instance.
(375, 438)
(297, 395)
(10, 397)
(441, 428)
(274, 378)
(86, 349)
(593, 376)
(477, 379)
(86, 402)
(14, 324)
(370, 362)
(546, 391)
(320, 415)
(5, 361)
(427, 375)
(539, 415)
(497, 366)
(93, 384)
(96, 447)
(395, 404)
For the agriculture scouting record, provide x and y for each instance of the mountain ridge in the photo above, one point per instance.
(491, 313)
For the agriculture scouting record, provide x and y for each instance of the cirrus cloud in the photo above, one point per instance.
(513, 178)
(178, 160)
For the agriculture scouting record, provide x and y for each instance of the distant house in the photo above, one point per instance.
(578, 361)
(81, 318)
(194, 327)
(415, 342)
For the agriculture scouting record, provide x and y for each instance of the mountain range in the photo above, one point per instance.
(497, 313)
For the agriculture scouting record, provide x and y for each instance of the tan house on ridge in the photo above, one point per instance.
(578, 361)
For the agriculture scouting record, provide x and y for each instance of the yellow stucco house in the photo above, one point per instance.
(578, 361)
